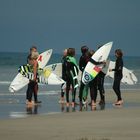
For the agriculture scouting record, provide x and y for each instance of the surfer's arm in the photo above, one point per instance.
(119, 65)
(95, 63)
(35, 70)
(117, 69)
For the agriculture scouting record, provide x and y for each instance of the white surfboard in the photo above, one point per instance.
(44, 58)
(50, 79)
(128, 75)
(92, 70)
(56, 68)
(20, 81)
(45, 77)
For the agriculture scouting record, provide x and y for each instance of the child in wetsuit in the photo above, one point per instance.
(63, 61)
(33, 85)
(82, 64)
(71, 75)
(118, 76)
(94, 82)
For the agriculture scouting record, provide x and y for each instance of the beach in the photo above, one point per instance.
(54, 121)
(114, 123)
(71, 49)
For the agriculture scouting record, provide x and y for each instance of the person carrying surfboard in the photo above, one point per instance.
(63, 75)
(93, 83)
(100, 85)
(82, 64)
(118, 74)
(32, 86)
(71, 75)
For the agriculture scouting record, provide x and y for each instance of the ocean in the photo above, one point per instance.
(13, 105)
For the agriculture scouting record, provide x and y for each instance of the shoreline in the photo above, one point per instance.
(14, 106)
(109, 124)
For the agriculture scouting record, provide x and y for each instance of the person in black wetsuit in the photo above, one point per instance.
(100, 87)
(82, 64)
(93, 83)
(118, 76)
(63, 61)
(71, 75)
(32, 85)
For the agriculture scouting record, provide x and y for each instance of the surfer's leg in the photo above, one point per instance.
(67, 91)
(81, 91)
(93, 102)
(62, 94)
(116, 87)
(85, 93)
(30, 91)
(73, 96)
(62, 98)
(93, 91)
(35, 92)
(101, 90)
(119, 91)
(27, 93)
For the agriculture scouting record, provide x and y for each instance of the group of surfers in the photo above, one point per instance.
(70, 70)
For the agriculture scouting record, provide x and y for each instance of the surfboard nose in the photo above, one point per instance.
(11, 90)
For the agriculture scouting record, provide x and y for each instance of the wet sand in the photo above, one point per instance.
(116, 123)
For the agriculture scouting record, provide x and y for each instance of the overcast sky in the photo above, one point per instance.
(60, 24)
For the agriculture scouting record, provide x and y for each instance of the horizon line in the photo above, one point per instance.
(61, 53)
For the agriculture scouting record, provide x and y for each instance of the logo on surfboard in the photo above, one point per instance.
(40, 58)
(87, 77)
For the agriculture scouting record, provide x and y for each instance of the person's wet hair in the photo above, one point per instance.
(71, 51)
(119, 52)
(33, 47)
(84, 49)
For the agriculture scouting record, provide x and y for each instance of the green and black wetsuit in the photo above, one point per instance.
(71, 77)
(83, 91)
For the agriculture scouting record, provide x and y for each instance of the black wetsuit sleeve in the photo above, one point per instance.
(64, 65)
(83, 62)
(80, 64)
(118, 66)
(94, 62)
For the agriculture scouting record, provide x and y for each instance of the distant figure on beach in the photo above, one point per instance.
(33, 85)
(63, 75)
(82, 64)
(71, 75)
(118, 76)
